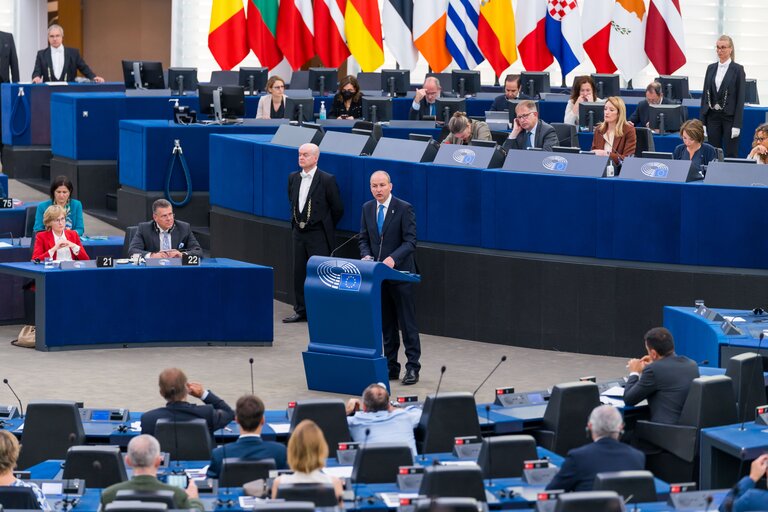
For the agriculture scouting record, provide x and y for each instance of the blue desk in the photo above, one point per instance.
(13, 220)
(726, 453)
(203, 305)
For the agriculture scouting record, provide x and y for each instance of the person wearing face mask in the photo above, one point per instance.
(348, 103)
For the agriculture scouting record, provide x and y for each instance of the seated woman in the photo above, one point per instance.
(57, 242)
(693, 147)
(307, 451)
(61, 194)
(759, 151)
(9, 455)
(614, 137)
(464, 129)
(348, 103)
(272, 104)
(583, 91)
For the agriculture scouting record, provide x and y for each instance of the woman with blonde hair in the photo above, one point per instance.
(57, 242)
(614, 137)
(463, 129)
(9, 455)
(759, 151)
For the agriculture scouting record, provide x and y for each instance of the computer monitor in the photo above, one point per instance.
(675, 87)
(607, 85)
(149, 73)
(565, 149)
(590, 114)
(395, 82)
(483, 143)
(421, 137)
(465, 83)
(665, 118)
(446, 107)
(254, 80)
(221, 101)
(533, 83)
(750, 93)
(300, 109)
(182, 80)
(658, 155)
(377, 110)
(324, 80)
(739, 161)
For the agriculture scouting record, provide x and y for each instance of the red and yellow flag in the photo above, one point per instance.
(227, 33)
(363, 28)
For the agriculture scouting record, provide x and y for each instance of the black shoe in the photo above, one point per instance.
(296, 317)
(394, 374)
(411, 377)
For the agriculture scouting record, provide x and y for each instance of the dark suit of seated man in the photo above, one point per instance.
(744, 496)
(511, 93)
(530, 132)
(605, 454)
(425, 101)
(164, 237)
(662, 377)
(59, 64)
(174, 388)
(654, 95)
(249, 415)
(144, 457)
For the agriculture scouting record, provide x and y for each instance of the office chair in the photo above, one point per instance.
(99, 466)
(194, 439)
(322, 495)
(224, 78)
(589, 501)
(18, 498)
(329, 414)
(566, 416)
(499, 137)
(369, 81)
(503, 456)
(632, 486)
(644, 140)
(375, 129)
(378, 463)
(164, 497)
(29, 220)
(50, 429)
(453, 482)
(130, 232)
(448, 504)
(236, 472)
(566, 135)
(450, 416)
(135, 506)
(299, 80)
(746, 373)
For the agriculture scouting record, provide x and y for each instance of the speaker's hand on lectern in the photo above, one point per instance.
(389, 262)
(367, 258)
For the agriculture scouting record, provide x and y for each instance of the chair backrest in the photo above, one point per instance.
(299, 80)
(644, 140)
(633, 486)
(225, 77)
(589, 501)
(165, 497)
(499, 137)
(566, 135)
(50, 429)
(99, 466)
(130, 231)
(18, 498)
(746, 373)
(711, 402)
(453, 482)
(236, 472)
(375, 129)
(442, 420)
(448, 504)
(378, 463)
(369, 81)
(503, 456)
(329, 414)
(194, 439)
(135, 506)
(322, 495)
(567, 412)
(29, 220)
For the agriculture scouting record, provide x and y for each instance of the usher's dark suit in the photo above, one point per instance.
(72, 63)
(665, 383)
(398, 241)
(730, 99)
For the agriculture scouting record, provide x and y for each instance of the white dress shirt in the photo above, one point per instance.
(57, 58)
(306, 182)
(722, 68)
(64, 254)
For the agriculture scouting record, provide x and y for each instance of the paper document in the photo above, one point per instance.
(614, 391)
(339, 471)
(280, 428)
(5, 244)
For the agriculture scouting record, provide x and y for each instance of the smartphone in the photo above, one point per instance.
(181, 481)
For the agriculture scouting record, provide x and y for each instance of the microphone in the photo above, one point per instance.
(434, 405)
(10, 235)
(354, 488)
(353, 237)
(250, 361)
(21, 408)
(709, 500)
(490, 448)
(759, 363)
(378, 258)
(503, 358)
(177, 470)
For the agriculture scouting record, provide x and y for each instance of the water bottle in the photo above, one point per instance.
(323, 115)
(609, 171)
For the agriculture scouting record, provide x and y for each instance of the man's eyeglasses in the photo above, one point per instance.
(760, 139)
(523, 116)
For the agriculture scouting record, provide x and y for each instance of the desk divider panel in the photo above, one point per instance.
(233, 174)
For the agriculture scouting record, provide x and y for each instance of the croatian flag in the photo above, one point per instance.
(563, 29)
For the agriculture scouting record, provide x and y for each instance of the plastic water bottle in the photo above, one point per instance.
(609, 170)
(323, 114)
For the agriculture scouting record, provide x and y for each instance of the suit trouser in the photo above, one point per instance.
(397, 308)
(306, 243)
(719, 133)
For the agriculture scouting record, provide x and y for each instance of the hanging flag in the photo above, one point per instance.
(364, 33)
(398, 31)
(627, 44)
(563, 29)
(262, 26)
(429, 20)
(496, 34)
(596, 29)
(227, 33)
(461, 33)
(664, 41)
(330, 41)
(531, 35)
(295, 31)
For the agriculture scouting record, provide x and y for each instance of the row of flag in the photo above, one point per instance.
(616, 35)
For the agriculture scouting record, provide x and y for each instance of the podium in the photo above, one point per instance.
(343, 299)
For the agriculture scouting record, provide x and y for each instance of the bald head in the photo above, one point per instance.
(375, 398)
(381, 186)
(308, 155)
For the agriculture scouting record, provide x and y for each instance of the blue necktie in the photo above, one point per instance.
(530, 140)
(380, 218)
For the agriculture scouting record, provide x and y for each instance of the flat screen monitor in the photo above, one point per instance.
(150, 74)
(675, 87)
(465, 82)
(590, 114)
(443, 78)
(221, 101)
(658, 155)
(324, 81)
(421, 137)
(377, 110)
(607, 85)
(395, 82)
(182, 80)
(665, 118)
(446, 107)
(300, 109)
(483, 143)
(369, 81)
(254, 80)
(739, 161)
(533, 83)
(565, 149)
(750, 94)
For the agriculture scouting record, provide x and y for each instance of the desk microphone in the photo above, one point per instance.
(378, 258)
(10, 235)
(21, 408)
(250, 362)
(503, 358)
(345, 242)
(759, 362)
(354, 485)
(434, 400)
(490, 448)
(178, 469)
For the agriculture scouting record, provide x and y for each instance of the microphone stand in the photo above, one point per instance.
(21, 408)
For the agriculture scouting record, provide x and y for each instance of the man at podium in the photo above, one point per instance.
(388, 235)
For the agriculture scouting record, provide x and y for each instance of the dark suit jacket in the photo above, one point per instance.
(327, 208)
(642, 114)
(398, 234)
(9, 62)
(604, 455)
(745, 497)
(665, 383)
(215, 411)
(150, 483)
(730, 96)
(73, 63)
(501, 103)
(545, 138)
(147, 239)
(703, 156)
(247, 448)
(417, 115)
(623, 146)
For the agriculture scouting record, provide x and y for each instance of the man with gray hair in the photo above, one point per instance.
(144, 457)
(59, 64)
(164, 236)
(425, 100)
(606, 453)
